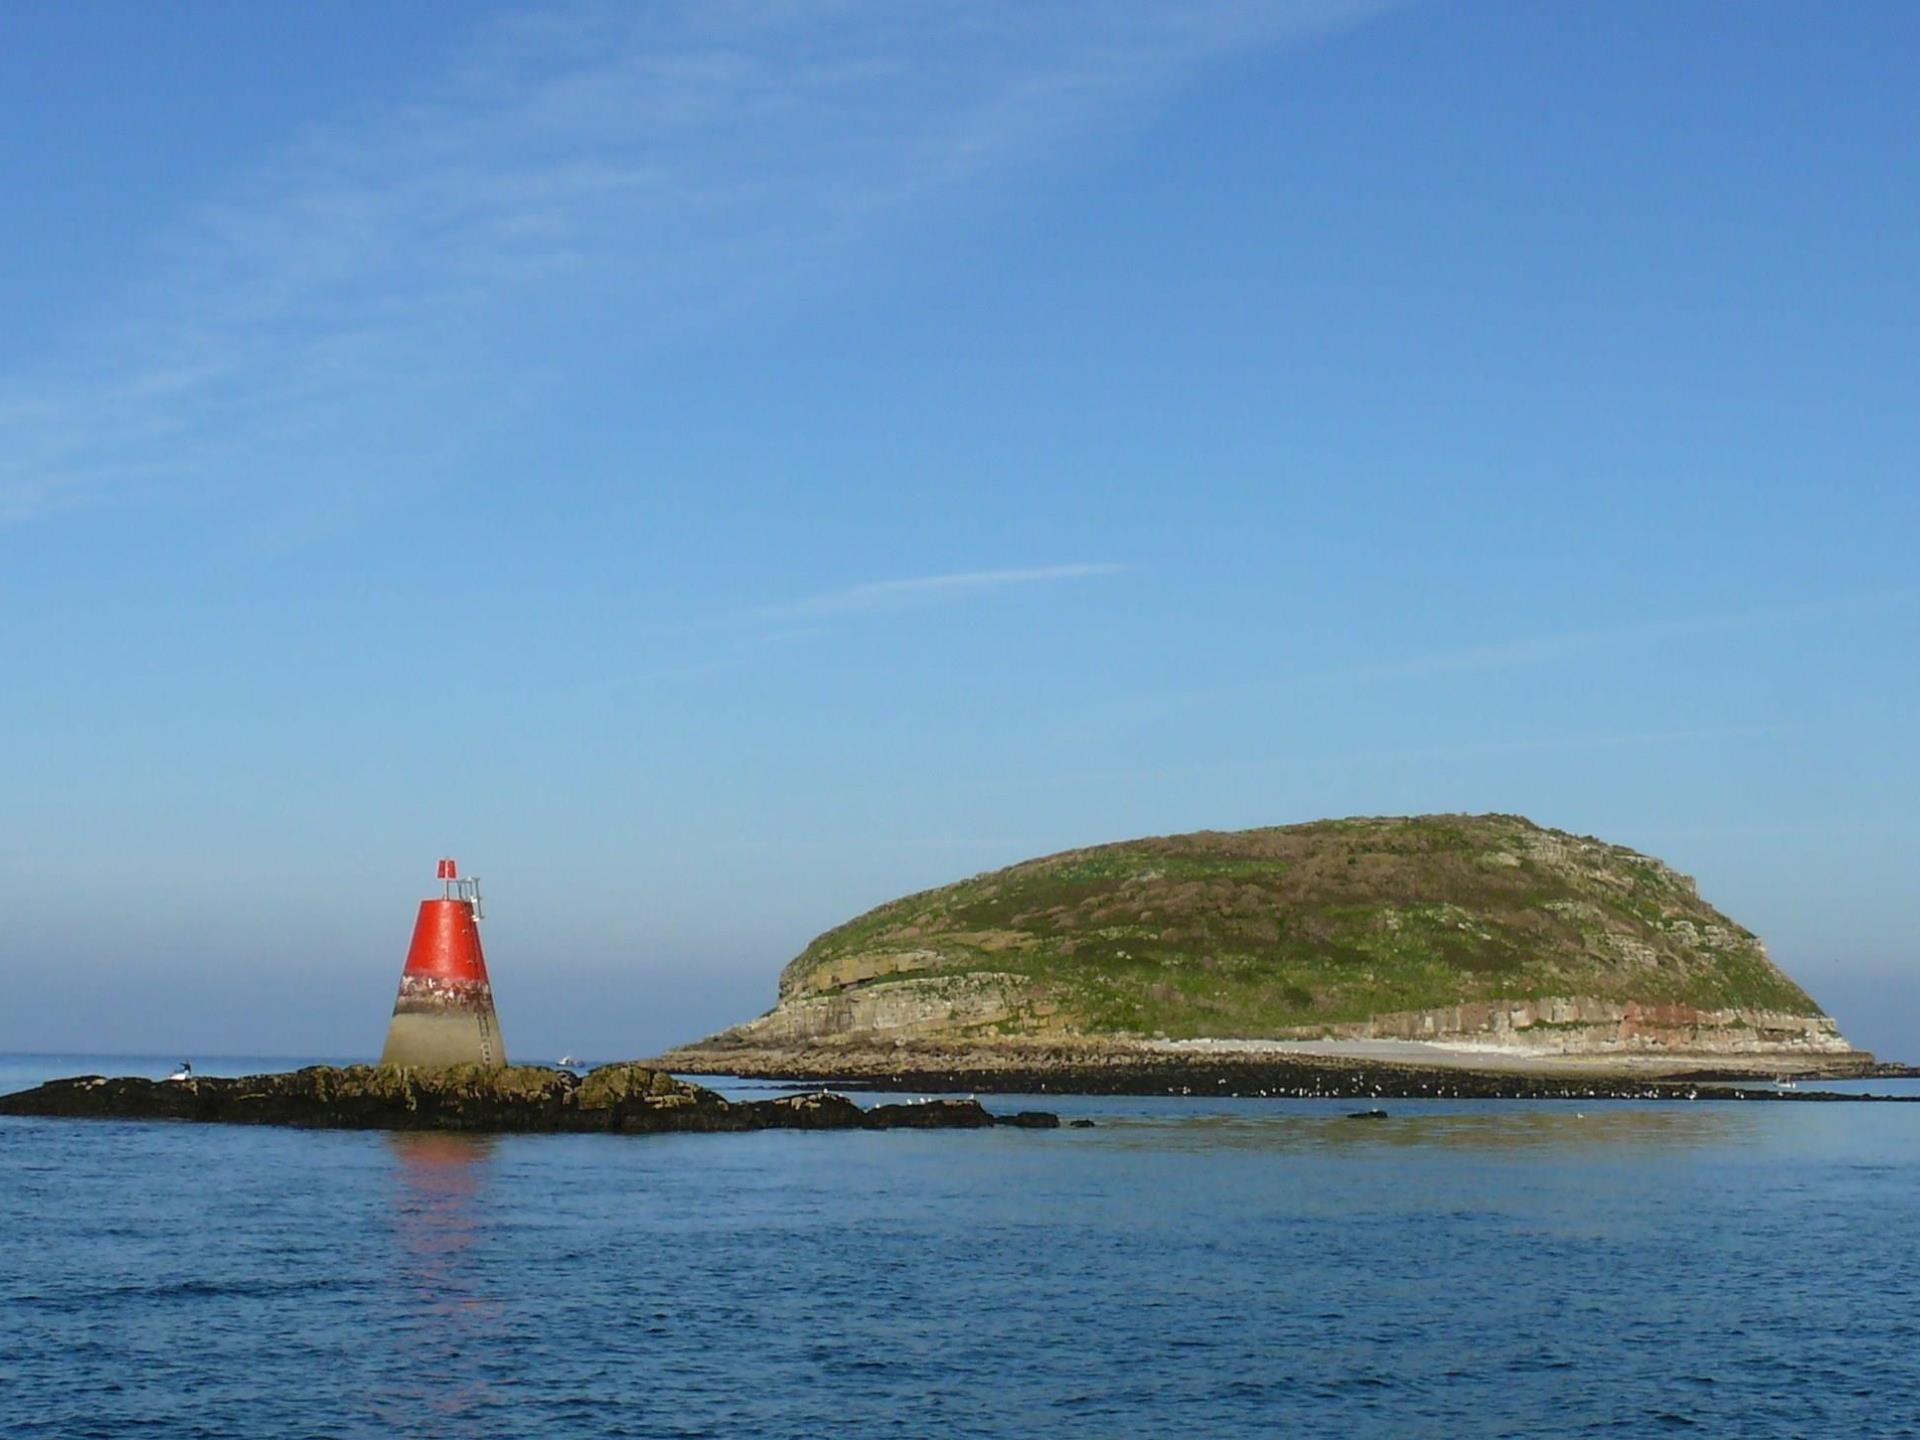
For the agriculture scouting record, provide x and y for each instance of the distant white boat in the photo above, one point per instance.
(569, 1062)
(1786, 1082)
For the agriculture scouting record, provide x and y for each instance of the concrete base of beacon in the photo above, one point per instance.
(428, 1039)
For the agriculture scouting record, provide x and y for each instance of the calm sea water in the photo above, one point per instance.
(1191, 1267)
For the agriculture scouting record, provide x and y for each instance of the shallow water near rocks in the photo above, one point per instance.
(1217, 1267)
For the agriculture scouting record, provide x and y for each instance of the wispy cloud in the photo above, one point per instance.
(883, 596)
(1605, 740)
(1572, 644)
(1651, 740)
(579, 172)
(1824, 831)
(1558, 647)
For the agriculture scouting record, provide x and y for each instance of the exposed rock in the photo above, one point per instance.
(631, 1098)
(819, 1111)
(1123, 1067)
(931, 1115)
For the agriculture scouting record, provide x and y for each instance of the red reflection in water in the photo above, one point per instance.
(439, 1223)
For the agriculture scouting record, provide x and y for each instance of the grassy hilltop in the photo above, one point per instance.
(1250, 933)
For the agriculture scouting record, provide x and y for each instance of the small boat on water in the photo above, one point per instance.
(1786, 1082)
(570, 1062)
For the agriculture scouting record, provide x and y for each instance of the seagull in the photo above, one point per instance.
(185, 1072)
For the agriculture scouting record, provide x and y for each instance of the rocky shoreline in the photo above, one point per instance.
(1113, 1070)
(627, 1099)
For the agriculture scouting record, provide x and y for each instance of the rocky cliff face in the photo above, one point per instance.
(1480, 931)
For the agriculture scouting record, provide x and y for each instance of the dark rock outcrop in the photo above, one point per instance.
(627, 1098)
(1032, 1120)
(932, 1115)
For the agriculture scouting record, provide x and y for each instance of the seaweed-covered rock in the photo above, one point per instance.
(820, 1110)
(631, 1098)
(1031, 1120)
(929, 1115)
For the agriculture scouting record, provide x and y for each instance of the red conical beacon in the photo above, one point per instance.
(444, 1012)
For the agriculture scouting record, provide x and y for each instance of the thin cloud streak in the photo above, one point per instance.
(580, 171)
(1826, 831)
(1571, 644)
(887, 596)
(1517, 745)
(1538, 650)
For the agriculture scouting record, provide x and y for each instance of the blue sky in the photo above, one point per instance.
(712, 468)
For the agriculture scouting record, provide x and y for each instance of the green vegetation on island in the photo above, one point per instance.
(1278, 931)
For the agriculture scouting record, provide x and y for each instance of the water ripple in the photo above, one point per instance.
(1213, 1269)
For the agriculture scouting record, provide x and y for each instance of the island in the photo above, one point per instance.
(1432, 954)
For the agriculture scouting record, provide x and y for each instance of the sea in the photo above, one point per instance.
(1189, 1266)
